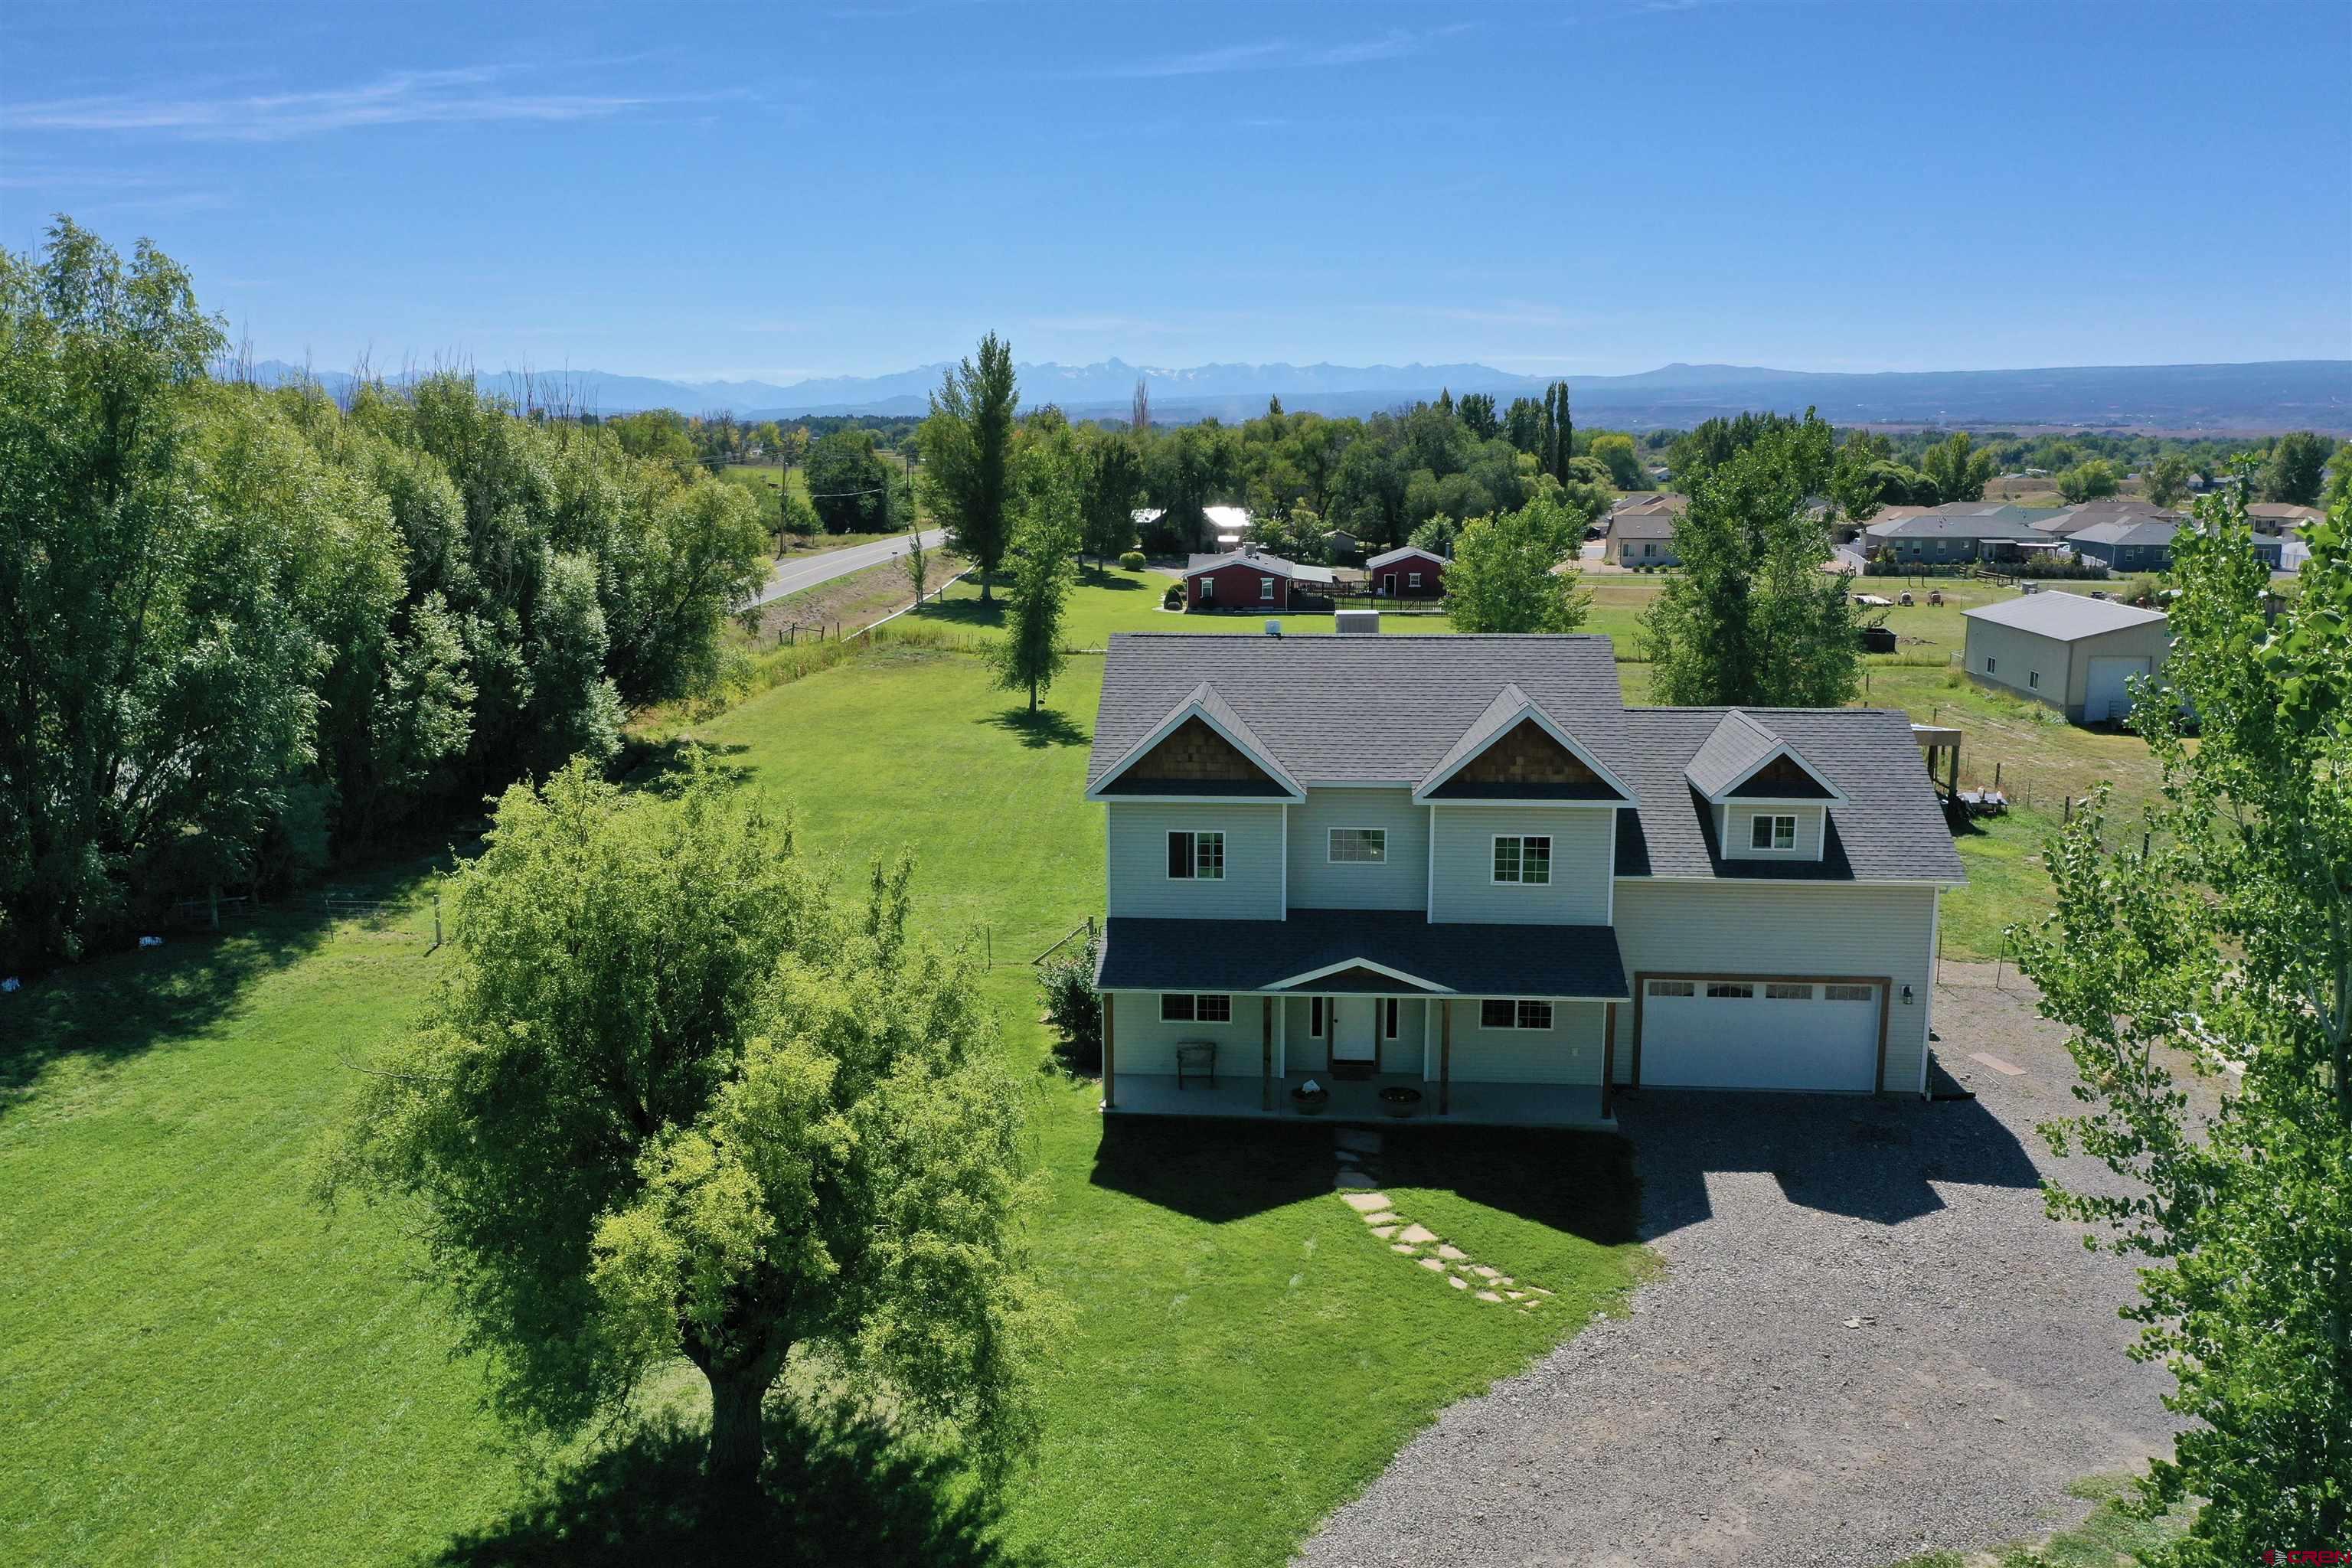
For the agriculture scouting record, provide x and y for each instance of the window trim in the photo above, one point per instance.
(1991, 664)
(1207, 586)
(1768, 822)
(1266, 590)
(2034, 680)
(1413, 579)
(1192, 854)
(1378, 837)
(1224, 999)
(1518, 879)
(1520, 1008)
(1192, 1006)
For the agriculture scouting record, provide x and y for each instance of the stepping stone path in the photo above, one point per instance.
(1357, 1149)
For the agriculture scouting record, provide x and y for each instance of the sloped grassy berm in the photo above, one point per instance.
(199, 1366)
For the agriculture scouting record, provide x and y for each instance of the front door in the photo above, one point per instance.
(1355, 1030)
(1388, 584)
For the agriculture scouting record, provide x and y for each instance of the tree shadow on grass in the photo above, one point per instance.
(113, 1008)
(1581, 1183)
(1043, 728)
(1117, 584)
(964, 613)
(663, 767)
(845, 1494)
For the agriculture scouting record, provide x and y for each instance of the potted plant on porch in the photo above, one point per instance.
(1310, 1098)
(1400, 1099)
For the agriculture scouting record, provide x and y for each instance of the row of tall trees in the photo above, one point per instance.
(244, 631)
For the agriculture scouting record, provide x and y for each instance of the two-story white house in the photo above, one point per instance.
(1462, 864)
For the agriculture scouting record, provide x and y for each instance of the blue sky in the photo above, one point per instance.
(1599, 188)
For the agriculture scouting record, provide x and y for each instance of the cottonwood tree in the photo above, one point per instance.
(1505, 577)
(2298, 462)
(2091, 479)
(1044, 541)
(673, 1102)
(155, 675)
(1752, 619)
(1958, 469)
(2215, 938)
(967, 445)
(2167, 479)
(1112, 479)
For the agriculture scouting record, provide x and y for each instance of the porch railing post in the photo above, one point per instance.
(1109, 1015)
(1266, 1064)
(1444, 1057)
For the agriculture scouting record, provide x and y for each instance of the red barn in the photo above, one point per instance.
(1246, 579)
(1408, 574)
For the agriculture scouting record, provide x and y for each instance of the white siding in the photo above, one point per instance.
(1583, 852)
(1737, 833)
(1739, 928)
(1399, 882)
(1568, 1052)
(1304, 1051)
(1251, 888)
(1142, 1043)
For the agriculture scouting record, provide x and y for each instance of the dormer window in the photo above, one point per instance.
(1772, 833)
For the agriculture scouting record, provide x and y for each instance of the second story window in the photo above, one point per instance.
(1196, 857)
(1523, 860)
(1359, 845)
(1772, 833)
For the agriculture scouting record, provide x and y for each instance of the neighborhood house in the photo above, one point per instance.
(1460, 870)
(2076, 653)
(1248, 579)
(1643, 535)
(1963, 532)
(1411, 573)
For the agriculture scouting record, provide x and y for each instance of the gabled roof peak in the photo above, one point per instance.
(1742, 745)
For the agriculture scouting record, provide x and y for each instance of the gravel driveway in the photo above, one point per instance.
(1735, 1418)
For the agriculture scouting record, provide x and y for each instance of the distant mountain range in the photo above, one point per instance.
(2277, 395)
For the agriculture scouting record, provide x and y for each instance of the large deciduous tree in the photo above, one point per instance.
(848, 483)
(1112, 479)
(673, 1102)
(2214, 937)
(155, 676)
(1960, 470)
(2167, 479)
(967, 444)
(1752, 619)
(1504, 576)
(2297, 466)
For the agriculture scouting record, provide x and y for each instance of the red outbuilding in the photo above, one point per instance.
(1246, 579)
(1411, 573)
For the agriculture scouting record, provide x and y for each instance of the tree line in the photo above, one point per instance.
(245, 632)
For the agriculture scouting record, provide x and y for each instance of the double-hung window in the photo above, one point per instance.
(1514, 1013)
(1265, 589)
(1208, 587)
(1772, 833)
(1359, 845)
(1524, 860)
(1413, 579)
(1196, 857)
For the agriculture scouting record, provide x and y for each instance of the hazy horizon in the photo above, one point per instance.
(1597, 189)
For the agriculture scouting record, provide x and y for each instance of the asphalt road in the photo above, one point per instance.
(793, 575)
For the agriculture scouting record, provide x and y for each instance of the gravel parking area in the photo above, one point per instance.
(1868, 1340)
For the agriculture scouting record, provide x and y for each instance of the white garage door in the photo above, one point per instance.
(1757, 1033)
(2105, 694)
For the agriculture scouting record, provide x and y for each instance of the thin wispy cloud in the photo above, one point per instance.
(1278, 54)
(469, 95)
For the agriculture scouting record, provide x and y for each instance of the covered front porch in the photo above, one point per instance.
(1236, 1098)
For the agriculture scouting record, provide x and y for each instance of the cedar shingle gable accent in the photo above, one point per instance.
(1526, 756)
(1195, 753)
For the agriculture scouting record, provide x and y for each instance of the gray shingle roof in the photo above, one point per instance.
(1735, 747)
(1144, 954)
(2128, 530)
(1387, 710)
(1273, 565)
(1994, 522)
(1401, 552)
(2062, 617)
(1645, 524)
(1890, 827)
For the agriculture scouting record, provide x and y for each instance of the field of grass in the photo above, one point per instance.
(200, 1367)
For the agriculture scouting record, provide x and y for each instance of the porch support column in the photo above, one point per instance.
(1265, 1067)
(1608, 1056)
(1109, 1103)
(1445, 1057)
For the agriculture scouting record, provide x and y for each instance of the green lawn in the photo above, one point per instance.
(200, 1367)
